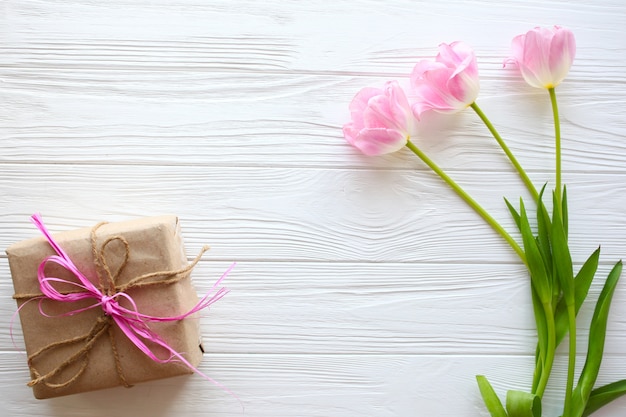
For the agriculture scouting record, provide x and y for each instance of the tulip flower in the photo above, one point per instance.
(448, 84)
(544, 56)
(382, 120)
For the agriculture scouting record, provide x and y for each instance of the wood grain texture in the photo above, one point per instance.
(309, 386)
(374, 308)
(364, 287)
(306, 214)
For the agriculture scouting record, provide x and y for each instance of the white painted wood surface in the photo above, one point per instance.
(364, 287)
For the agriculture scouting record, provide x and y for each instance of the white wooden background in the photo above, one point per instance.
(364, 287)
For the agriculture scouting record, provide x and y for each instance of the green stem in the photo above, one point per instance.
(557, 138)
(571, 313)
(507, 151)
(468, 199)
(549, 355)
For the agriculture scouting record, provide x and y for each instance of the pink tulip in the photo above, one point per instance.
(382, 121)
(544, 56)
(448, 84)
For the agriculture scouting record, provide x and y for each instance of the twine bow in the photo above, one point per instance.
(107, 296)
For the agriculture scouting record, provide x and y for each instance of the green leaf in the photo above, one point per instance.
(564, 214)
(542, 212)
(544, 237)
(523, 404)
(543, 243)
(595, 350)
(514, 213)
(542, 337)
(561, 256)
(544, 229)
(538, 370)
(583, 279)
(538, 274)
(602, 396)
(492, 402)
(582, 282)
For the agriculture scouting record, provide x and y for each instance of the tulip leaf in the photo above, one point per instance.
(597, 334)
(543, 232)
(564, 213)
(538, 274)
(542, 337)
(514, 213)
(584, 277)
(582, 282)
(523, 404)
(492, 402)
(602, 396)
(561, 256)
(542, 211)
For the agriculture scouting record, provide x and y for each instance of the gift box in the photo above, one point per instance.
(73, 348)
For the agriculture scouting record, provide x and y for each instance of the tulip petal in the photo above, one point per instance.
(389, 110)
(350, 132)
(399, 104)
(562, 52)
(535, 68)
(359, 104)
(380, 141)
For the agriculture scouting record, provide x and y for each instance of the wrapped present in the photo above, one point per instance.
(107, 306)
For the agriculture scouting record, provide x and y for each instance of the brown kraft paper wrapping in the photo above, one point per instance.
(154, 244)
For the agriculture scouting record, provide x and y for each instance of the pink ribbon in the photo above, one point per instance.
(132, 323)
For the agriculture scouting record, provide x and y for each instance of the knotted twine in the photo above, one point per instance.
(107, 294)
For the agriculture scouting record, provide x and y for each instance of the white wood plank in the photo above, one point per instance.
(309, 386)
(347, 308)
(326, 41)
(306, 214)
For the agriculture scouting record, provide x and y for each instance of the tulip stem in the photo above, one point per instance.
(468, 199)
(507, 151)
(559, 207)
(557, 141)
